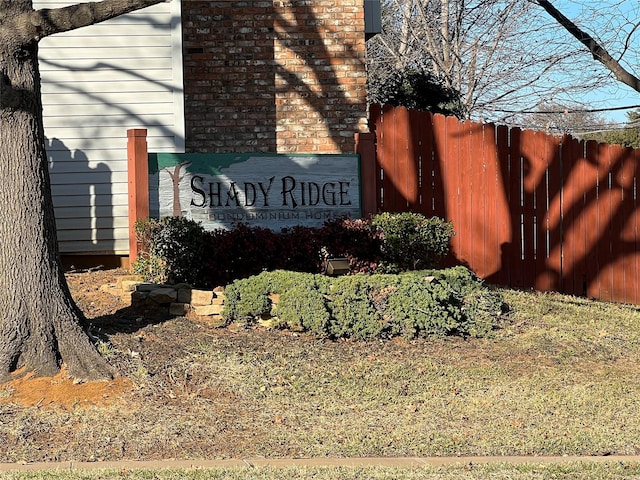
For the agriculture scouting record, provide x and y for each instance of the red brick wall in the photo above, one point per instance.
(274, 76)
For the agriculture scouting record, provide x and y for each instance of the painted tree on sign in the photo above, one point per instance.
(41, 328)
(176, 178)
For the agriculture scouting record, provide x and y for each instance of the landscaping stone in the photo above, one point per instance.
(201, 297)
(163, 295)
(129, 285)
(184, 295)
(130, 280)
(217, 301)
(179, 300)
(146, 287)
(179, 309)
(139, 297)
(206, 310)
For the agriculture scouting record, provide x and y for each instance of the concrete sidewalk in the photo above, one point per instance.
(310, 462)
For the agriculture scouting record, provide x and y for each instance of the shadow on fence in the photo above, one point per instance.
(530, 210)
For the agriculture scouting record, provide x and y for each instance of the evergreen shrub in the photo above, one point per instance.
(413, 304)
(353, 311)
(411, 241)
(303, 308)
(248, 299)
(172, 250)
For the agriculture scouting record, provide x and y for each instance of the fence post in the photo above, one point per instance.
(365, 146)
(138, 177)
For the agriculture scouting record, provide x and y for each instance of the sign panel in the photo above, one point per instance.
(265, 190)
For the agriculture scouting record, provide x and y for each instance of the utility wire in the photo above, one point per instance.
(582, 129)
(591, 110)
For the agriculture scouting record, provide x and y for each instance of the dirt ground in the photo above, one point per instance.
(96, 293)
(185, 388)
(141, 345)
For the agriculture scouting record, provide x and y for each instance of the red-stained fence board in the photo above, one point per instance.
(421, 153)
(476, 199)
(502, 192)
(548, 215)
(405, 175)
(572, 228)
(591, 216)
(386, 155)
(494, 204)
(532, 170)
(516, 207)
(465, 161)
(529, 209)
(621, 209)
(449, 152)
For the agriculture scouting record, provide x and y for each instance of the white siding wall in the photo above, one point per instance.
(97, 82)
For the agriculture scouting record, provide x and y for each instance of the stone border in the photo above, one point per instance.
(179, 300)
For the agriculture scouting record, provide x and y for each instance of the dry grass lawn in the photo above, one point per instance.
(562, 376)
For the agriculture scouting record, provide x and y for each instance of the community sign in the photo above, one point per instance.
(265, 190)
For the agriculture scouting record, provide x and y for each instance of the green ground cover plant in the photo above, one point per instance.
(411, 241)
(426, 303)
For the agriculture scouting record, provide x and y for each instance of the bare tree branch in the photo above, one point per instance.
(628, 40)
(34, 25)
(598, 51)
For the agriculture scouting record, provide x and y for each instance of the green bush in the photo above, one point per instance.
(176, 250)
(411, 241)
(172, 251)
(180, 242)
(354, 313)
(424, 308)
(476, 300)
(247, 299)
(150, 266)
(414, 304)
(303, 308)
(302, 304)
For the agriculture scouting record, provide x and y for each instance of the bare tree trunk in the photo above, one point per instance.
(41, 328)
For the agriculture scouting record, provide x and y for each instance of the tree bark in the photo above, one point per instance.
(40, 325)
(41, 328)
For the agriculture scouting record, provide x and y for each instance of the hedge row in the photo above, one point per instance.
(176, 250)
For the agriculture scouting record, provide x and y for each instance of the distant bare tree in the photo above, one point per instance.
(559, 119)
(503, 56)
(480, 48)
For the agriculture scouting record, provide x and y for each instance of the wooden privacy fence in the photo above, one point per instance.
(530, 210)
